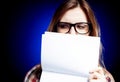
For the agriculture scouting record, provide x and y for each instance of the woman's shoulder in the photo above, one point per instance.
(33, 75)
(108, 75)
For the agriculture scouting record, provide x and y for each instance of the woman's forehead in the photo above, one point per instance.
(74, 15)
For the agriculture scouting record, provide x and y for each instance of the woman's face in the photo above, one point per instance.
(74, 16)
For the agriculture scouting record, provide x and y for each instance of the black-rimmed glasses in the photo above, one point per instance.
(81, 27)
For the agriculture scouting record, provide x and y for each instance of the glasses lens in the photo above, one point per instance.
(82, 28)
(64, 27)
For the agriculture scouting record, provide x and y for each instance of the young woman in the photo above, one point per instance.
(75, 17)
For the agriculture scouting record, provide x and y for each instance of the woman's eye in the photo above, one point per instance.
(82, 26)
(64, 26)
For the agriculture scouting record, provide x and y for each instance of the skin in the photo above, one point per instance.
(77, 15)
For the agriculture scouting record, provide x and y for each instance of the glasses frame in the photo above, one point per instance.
(89, 25)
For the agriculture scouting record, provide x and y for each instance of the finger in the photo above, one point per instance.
(96, 77)
(98, 70)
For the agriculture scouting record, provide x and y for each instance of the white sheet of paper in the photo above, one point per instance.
(57, 77)
(67, 56)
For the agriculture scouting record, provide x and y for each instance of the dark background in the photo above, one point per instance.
(24, 21)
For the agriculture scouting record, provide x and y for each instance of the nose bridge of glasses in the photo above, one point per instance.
(72, 25)
(72, 29)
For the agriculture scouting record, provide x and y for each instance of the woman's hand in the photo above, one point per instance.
(97, 75)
